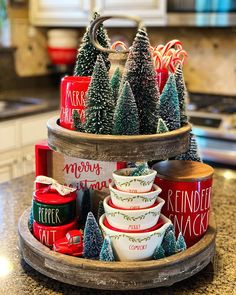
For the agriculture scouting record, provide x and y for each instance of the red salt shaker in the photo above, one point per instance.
(73, 97)
(54, 215)
(187, 189)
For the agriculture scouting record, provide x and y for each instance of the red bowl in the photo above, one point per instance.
(62, 56)
(155, 227)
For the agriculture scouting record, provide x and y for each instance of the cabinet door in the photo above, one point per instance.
(28, 160)
(8, 136)
(59, 12)
(8, 166)
(34, 128)
(152, 12)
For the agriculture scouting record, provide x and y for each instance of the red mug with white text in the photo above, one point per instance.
(73, 97)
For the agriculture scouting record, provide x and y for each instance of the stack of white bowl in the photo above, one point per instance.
(133, 218)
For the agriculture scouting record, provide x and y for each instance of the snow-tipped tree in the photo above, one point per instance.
(169, 104)
(159, 253)
(85, 206)
(31, 218)
(115, 83)
(106, 253)
(93, 239)
(99, 103)
(126, 121)
(141, 169)
(182, 94)
(192, 153)
(87, 53)
(180, 243)
(101, 210)
(139, 72)
(169, 243)
(77, 121)
(161, 126)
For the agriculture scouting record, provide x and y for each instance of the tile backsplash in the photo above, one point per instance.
(210, 68)
(211, 65)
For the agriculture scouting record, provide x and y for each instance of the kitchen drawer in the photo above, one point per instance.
(34, 128)
(8, 136)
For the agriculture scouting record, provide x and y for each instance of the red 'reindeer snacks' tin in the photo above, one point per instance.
(73, 96)
(186, 188)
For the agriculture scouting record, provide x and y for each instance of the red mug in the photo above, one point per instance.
(73, 96)
(186, 188)
(161, 78)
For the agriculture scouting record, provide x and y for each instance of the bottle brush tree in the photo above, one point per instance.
(182, 94)
(140, 74)
(106, 253)
(140, 169)
(180, 243)
(99, 103)
(159, 253)
(77, 121)
(87, 53)
(169, 243)
(169, 104)
(93, 239)
(115, 83)
(161, 126)
(101, 210)
(31, 219)
(126, 121)
(85, 206)
(192, 153)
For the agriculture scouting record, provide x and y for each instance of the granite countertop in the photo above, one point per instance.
(16, 277)
(36, 100)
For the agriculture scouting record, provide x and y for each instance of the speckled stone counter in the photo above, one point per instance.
(16, 277)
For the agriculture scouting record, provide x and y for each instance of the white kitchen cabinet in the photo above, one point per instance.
(152, 12)
(59, 12)
(9, 165)
(76, 13)
(8, 136)
(28, 159)
(18, 138)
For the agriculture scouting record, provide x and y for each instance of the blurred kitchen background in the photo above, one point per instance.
(38, 39)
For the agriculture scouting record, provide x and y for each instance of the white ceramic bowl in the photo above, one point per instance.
(133, 184)
(128, 200)
(135, 246)
(129, 219)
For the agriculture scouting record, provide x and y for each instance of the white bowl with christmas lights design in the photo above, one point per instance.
(134, 184)
(135, 246)
(132, 219)
(128, 200)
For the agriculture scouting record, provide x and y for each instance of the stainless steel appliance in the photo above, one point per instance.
(214, 123)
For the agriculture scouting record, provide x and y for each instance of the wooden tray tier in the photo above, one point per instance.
(116, 275)
(117, 148)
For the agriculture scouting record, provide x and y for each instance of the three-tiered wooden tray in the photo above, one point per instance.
(116, 275)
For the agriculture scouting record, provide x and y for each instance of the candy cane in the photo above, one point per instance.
(171, 44)
(151, 48)
(157, 59)
(159, 48)
(182, 55)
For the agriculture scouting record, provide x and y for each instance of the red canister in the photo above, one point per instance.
(47, 235)
(186, 188)
(73, 96)
(54, 215)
